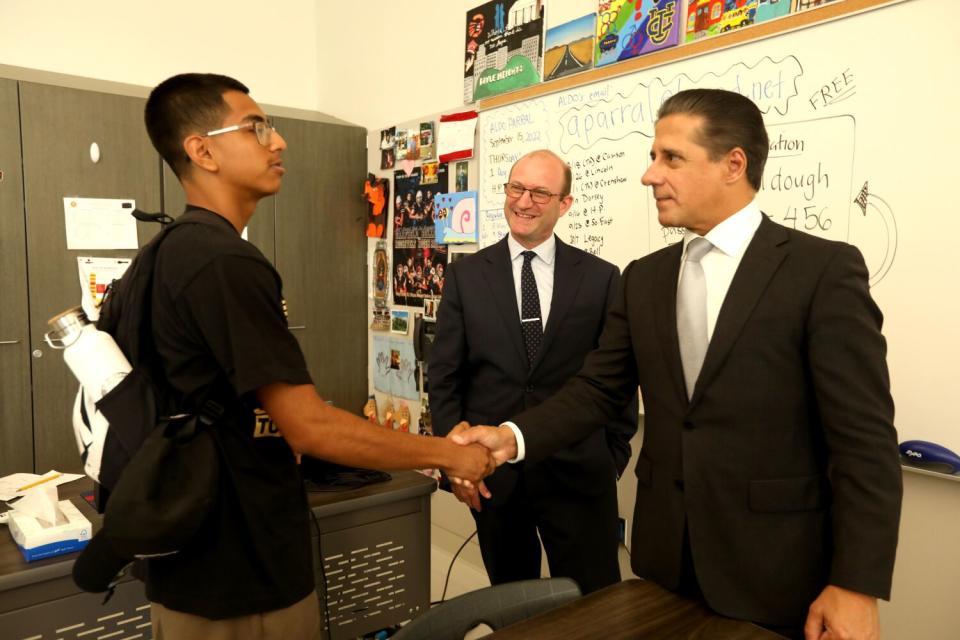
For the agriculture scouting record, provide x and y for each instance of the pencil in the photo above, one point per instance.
(40, 481)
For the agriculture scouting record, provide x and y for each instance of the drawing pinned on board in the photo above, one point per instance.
(456, 217)
(629, 28)
(503, 48)
(569, 47)
(394, 366)
(872, 203)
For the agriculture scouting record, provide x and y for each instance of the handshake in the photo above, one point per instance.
(480, 450)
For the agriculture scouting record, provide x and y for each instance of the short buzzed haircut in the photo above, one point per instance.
(183, 105)
(729, 120)
(567, 173)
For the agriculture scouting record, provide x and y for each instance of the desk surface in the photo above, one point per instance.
(15, 571)
(633, 609)
(402, 485)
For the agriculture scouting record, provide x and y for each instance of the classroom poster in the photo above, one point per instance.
(456, 215)
(629, 28)
(504, 48)
(419, 261)
(569, 47)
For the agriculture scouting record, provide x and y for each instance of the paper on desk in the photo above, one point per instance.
(10, 485)
(100, 223)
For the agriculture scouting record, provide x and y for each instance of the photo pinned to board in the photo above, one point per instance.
(399, 321)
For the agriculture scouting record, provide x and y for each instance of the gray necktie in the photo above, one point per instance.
(692, 312)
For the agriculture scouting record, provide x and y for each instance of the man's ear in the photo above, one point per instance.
(199, 153)
(736, 165)
(565, 204)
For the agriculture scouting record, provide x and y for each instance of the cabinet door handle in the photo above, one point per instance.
(9, 342)
(296, 327)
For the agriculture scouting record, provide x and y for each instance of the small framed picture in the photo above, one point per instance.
(399, 321)
(430, 308)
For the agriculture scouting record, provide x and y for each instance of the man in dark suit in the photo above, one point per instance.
(516, 321)
(768, 478)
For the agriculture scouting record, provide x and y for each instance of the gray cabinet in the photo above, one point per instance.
(58, 127)
(322, 251)
(16, 419)
(312, 231)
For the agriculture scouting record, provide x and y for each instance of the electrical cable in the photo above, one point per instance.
(446, 582)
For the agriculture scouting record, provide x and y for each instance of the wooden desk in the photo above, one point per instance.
(387, 522)
(633, 609)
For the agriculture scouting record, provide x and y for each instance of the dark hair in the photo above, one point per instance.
(729, 120)
(567, 173)
(182, 105)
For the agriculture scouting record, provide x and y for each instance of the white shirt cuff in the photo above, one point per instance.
(521, 449)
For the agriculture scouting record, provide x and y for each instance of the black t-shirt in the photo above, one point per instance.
(219, 322)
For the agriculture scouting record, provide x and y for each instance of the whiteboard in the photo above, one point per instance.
(862, 119)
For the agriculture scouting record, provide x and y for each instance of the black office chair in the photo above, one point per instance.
(495, 606)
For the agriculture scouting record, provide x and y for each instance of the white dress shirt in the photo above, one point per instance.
(730, 239)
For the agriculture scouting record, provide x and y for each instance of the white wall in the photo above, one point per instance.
(405, 58)
(270, 47)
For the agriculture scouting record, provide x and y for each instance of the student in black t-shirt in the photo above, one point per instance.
(220, 329)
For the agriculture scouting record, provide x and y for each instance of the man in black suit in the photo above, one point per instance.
(516, 322)
(769, 477)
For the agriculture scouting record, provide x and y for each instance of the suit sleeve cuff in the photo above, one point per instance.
(521, 449)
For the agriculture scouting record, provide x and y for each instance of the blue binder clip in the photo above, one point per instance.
(930, 456)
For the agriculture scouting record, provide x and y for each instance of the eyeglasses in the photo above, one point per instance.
(540, 196)
(263, 129)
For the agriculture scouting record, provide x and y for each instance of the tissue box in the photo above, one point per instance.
(37, 542)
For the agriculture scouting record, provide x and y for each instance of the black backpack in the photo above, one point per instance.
(138, 403)
(158, 474)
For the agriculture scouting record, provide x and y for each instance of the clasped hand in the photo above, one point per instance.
(499, 441)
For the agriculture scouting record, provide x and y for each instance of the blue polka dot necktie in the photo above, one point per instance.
(530, 322)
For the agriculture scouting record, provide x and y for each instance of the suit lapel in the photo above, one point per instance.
(665, 313)
(760, 261)
(499, 276)
(567, 277)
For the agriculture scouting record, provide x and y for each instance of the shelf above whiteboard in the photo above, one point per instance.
(934, 474)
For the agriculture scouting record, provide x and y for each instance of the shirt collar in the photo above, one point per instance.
(546, 250)
(733, 234)
(193, 207)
